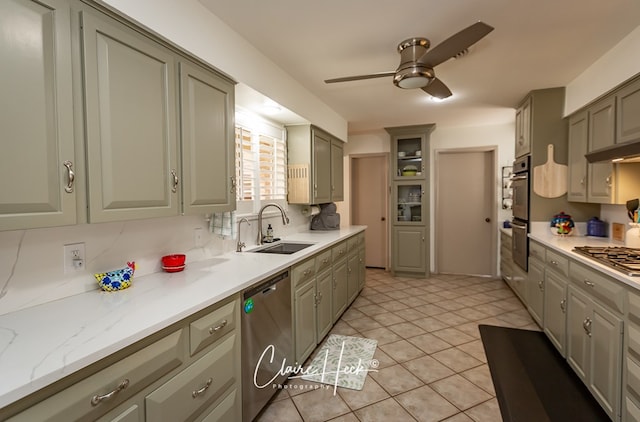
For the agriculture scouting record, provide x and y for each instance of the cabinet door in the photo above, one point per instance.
(601, 134)
(578, 139)
(628, 107)
(409, 152)
(321, 168)
(362, 272)
(523, 129)
(409, 198)
(36, 114)
(337, 171)
(555, 307)
(409, 249)
(605, 363)
(207, 107)
(130, 123)
(578, 315)
(353, 275)
(535, 285)
(305, 320)
(339, 296)
(324, 316)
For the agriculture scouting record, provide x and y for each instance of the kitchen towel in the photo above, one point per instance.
(223, 224)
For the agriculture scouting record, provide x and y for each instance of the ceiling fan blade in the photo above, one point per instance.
(360, 77)
(455, 44)
(437, 89)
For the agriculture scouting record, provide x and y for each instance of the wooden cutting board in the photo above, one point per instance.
(550, 178)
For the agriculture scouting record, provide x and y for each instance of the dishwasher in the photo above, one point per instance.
(266, 332)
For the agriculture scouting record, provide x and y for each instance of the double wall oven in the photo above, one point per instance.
(520, 207)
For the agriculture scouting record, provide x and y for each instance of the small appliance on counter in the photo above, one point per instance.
(596, 227)
(327, 219)
(562, 224)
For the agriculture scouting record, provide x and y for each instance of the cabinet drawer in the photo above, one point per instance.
(323, 261)
(557, 263)
(198, 386)
(537, 251)
(213, 326)
(228, 410)
(634, 309)
(137, 371)
(605, 290)
(633, 345)
(339, 251)
(352, 243)
(303, 272)
(361, 240)
(633, 378)
(632, 411)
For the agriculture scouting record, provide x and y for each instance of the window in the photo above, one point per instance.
(261, 162)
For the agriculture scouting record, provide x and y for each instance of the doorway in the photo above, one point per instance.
(465, 212)
(369, 205)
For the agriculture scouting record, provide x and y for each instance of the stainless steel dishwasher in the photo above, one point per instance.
(266, 341)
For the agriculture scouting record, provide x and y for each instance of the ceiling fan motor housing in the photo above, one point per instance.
(411, 73)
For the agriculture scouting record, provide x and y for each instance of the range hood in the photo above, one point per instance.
(617, 152)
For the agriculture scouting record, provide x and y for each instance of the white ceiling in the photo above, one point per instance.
(535, 44)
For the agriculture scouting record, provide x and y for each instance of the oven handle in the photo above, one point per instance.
(518, 225)
(525, 177)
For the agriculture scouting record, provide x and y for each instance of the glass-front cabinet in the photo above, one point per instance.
(409, 153)
(410, 200)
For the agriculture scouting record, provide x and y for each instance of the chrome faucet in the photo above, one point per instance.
(285, 220)
(240, 244)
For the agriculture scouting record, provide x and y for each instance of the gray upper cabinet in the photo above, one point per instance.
(601, 134)
(628, 105)
(36, 115)
(577, 163)
(523, 128)
(315, 167)
(132, 148)
(207, 141)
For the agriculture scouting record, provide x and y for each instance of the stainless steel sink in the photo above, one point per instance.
(285, 248)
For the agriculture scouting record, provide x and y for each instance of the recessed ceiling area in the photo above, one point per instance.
(535, 45)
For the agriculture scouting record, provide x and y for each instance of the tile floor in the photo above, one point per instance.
(432, 365)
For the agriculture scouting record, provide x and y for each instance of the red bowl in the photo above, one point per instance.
(175, 260)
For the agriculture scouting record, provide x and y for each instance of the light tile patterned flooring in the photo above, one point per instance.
(432, 365)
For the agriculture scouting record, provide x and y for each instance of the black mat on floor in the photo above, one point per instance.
(532, 380)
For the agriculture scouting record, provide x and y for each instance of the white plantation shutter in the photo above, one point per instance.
(261, 163)
(272, 168)
(245, 165)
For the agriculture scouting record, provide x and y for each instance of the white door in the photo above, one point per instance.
(465, 206)
(369, 193)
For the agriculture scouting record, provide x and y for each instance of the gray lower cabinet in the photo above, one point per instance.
(36, 116)
(131, 125)
(161, 379)
(409, 249)
(506, 260)
(535, 294)
(594, 347)
(631, 372)
(555, 308)
(339, 270)
(303, 281)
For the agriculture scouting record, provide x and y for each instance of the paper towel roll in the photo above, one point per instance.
(311, 210)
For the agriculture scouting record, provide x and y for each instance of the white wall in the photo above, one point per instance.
(616, 66)
(191, 26)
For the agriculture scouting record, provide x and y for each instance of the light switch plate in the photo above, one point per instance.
(617, 232)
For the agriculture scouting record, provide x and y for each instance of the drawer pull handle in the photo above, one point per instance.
(218, 327)
(196, 393)
(554, 262)
(325, 261)
(95, 400)
(175, 181)
(306, 272)
(586, 324)
(589, 283)
(71, 176)
(563, 305)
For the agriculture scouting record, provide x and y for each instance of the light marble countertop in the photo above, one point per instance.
(45, 343)
(542, 233)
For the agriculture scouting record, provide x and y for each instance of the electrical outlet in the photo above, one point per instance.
(197, 237)
(74, 255)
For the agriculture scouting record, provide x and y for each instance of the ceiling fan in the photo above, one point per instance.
(416, 63)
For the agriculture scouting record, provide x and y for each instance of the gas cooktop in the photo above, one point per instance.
(625, 260)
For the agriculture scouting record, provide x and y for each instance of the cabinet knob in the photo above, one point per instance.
(563, 305)
(586, 325)
(175, 181)
(233, 184)
(541, 285)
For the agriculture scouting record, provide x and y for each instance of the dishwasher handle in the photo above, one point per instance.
(265, 287)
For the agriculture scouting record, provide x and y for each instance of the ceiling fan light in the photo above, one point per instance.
(413, 77)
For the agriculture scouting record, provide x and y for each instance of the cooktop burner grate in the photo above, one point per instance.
(625, 260)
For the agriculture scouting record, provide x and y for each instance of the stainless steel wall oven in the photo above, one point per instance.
(520, 221)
